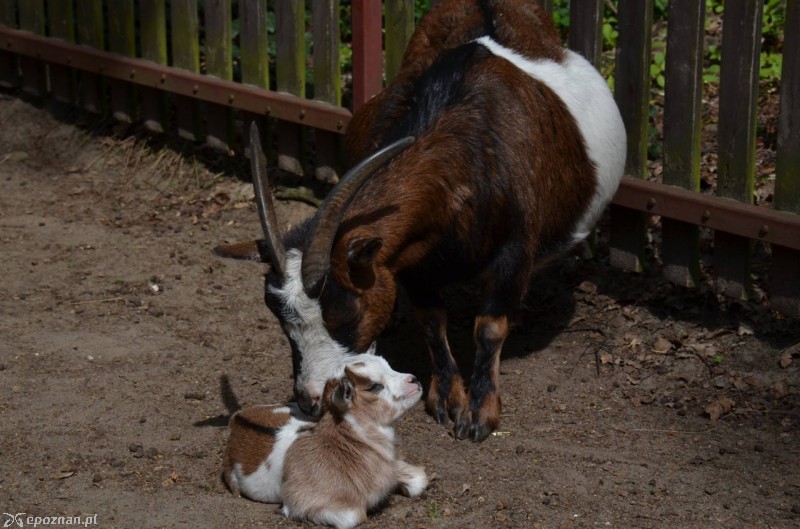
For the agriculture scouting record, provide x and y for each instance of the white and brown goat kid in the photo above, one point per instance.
(497, 149)
(335, 470)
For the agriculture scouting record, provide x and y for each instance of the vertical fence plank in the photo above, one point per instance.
(153, 37)
(122, 40)
(34, 74)
(61, 19)
(9, 63)
(186, 55)
(219, 63)
(784, 268)
(89, 26)
(367, 51)
(255, 57)
(399, 23)
(787, 178)
(547, 4)
(585, 28)
(738, 91)
(290, 77)
(632, 93)
(682, 133)
(327, 83)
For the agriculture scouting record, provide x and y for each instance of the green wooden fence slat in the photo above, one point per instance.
(738, 91)
(185, 39)
(682, 133)
(31, 16)
(290, 77)
(122, 40)
(327, 83)
(585, 28)
(784, 268)
(398, 19)
(186, 55)
(8, 13)
(219, 63)
(254, 46)
(632, 93)
(787, 177)
(89, 32)
(253, 40)
(9, 63)
(327, 70)
(34, 75)
(153, 37)
(61, 18)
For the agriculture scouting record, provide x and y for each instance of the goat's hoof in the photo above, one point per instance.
(480, 431)
(475, 429)
(439, 414)
(463, 426)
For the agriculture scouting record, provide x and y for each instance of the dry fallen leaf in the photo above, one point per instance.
(719, 408)
(786, 359)
(661, 345)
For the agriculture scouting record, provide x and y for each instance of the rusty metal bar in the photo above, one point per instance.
(234, 95)
(721, 214)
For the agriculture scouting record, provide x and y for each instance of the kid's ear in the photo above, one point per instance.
(361, 255)
(342, 398)
(244, 251)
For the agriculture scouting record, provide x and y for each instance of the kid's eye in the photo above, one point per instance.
(375, 388)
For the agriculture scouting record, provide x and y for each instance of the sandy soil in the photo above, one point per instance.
(126, 344)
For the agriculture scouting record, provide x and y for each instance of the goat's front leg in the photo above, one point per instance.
(446, 395)
(411, 480)
(482, 416)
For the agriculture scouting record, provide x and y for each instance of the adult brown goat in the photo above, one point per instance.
(503, 150)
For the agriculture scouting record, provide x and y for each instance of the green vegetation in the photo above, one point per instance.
(771, 51)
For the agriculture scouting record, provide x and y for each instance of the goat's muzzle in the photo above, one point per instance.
(310, 404)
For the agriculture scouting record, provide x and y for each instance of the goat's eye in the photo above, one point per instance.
(375, 388)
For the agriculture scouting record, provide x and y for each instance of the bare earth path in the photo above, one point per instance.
(124, 344)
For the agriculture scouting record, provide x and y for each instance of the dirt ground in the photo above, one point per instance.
(125, 345)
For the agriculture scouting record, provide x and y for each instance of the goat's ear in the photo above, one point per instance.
(342, 397)
(361, 255)
(246, 251)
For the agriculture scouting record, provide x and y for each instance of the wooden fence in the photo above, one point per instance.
(200, 67)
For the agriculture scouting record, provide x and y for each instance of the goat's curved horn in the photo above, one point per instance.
(319, 242)
(266, 205)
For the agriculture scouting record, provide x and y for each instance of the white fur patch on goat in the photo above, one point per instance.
(587, 97)
(322, 356)
(264, 484)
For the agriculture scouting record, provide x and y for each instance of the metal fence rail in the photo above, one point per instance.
(146, 63)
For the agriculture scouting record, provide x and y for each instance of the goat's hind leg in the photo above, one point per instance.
(446, 395)
(510, 276)
(482, 415)
(412, 480)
